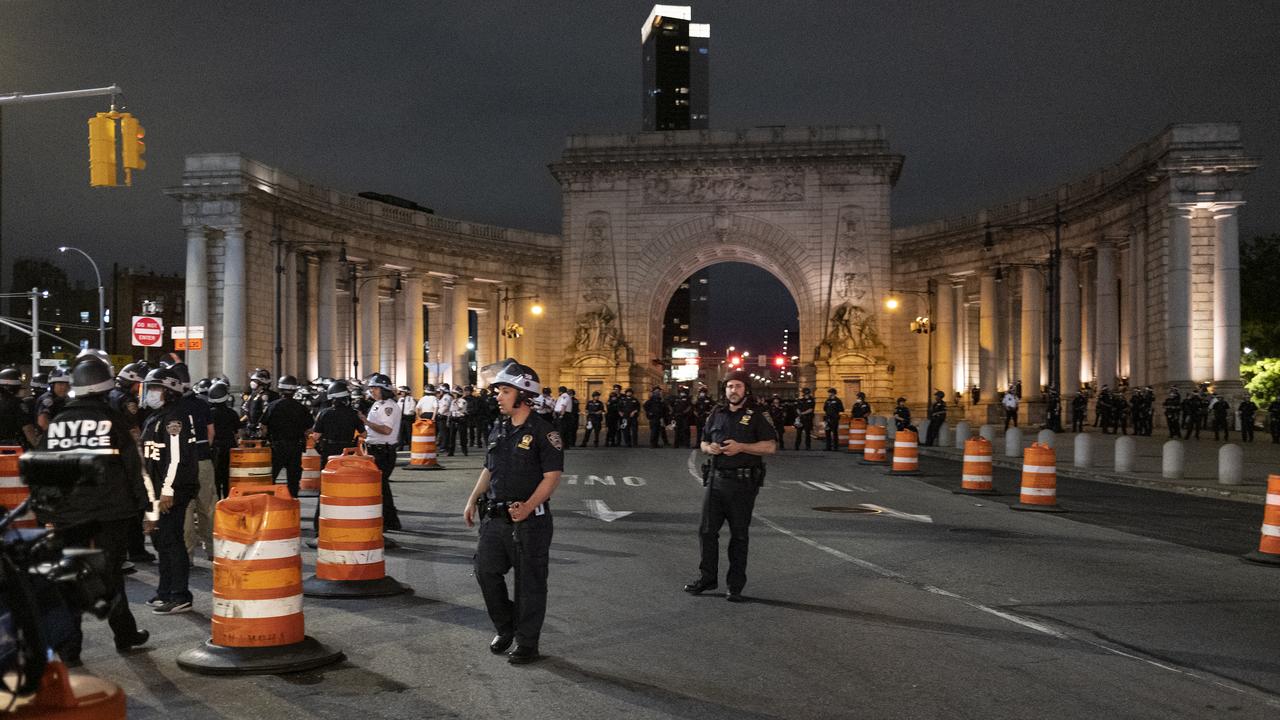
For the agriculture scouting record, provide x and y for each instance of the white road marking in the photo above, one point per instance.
(628, 480)
(599, 510)
(890, 512)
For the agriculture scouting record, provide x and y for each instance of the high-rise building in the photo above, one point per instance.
(685, 324)
(676, 69)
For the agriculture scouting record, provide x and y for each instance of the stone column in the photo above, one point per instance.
(1107, 338)
(1126, 314)
(390, 351)
(1070, 360)
(412, 301)
(987, 340)
(327, 317)
(370, 326)
(944, 340)
(233, 307)
(460, 324)
(312, 364)
(1088, 322)
(197, 296)
(486, 333)
(1178, 326)
(289, 315)
(438, 368)
(1032, 331)
(1226, 299)
(1138, 373)
(960, 358)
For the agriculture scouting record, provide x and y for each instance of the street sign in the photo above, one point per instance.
(147, 331)
(187, 337)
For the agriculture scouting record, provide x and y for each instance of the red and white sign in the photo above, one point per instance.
(147, 331)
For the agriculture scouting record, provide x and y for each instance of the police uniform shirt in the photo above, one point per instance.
(595, 409)
(226, 423)
(338, 424)
(126, 403)
(938, 411)
(861, 409)
(384, 412)
(11, 420)
(287, 421)
(91, 425)
(427, 406)
(519, 456)
(200, 419)
(49, 404)
(832, 408)
(805, 405)
(745, 425)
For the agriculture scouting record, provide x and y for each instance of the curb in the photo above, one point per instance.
(1217, 492)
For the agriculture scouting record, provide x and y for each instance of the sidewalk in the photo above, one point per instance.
(1261, 457)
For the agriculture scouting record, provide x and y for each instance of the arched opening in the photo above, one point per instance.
(726, 316)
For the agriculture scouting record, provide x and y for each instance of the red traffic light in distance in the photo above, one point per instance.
(735, 361)
(780, 361)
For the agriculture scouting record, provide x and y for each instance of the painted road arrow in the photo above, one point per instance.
(897, 513)
(598, 510)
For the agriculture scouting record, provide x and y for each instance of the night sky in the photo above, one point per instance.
(460, 106)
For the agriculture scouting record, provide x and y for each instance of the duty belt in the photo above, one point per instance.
(498, 508)
(744, 473)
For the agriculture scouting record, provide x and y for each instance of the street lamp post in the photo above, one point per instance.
(505, 297)
(926, 326)
(1053, 419)
(102, 327)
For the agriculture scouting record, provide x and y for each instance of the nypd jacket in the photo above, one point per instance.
(169, 456)
(90, 425)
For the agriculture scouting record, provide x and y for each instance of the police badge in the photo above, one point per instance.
(554, 439)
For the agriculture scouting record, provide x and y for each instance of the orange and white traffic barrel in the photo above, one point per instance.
(874, 453)
(64, 696)
(975, 478)
(1039, 480)
(842, 430)
(857, 435)
(906, 453)
(349, 548)
(258, 625)
(251, 465)
(1268, 552)
(310, 484)
(13, 491)
(422, 449)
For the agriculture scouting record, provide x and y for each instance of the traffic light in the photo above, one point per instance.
(735, 361)
(131, 146)
(780, 362)
(102, 150)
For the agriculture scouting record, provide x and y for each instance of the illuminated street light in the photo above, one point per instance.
(891, 303)
(536, 309)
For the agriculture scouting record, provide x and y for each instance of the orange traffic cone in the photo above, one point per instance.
(310, 484)
(422, 450)
(257, 590)
(857, 435)
(1268, 552)
(874, 453)
(1039, 480)
(906, 453)
(975, 478)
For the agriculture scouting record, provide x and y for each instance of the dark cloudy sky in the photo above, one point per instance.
(460, 105)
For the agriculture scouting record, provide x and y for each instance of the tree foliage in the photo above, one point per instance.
(1259, 309)
(1262, 379)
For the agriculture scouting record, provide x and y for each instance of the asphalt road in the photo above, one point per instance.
(1133, 605)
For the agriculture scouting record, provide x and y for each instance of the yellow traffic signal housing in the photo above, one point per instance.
(102, 150)
(132, 148)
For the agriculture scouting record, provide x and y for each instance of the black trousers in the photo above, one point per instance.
(931, 435)
(112, 538)
(657, 432)
(1010, 416)
(593, 421)
(568, 429)
(1221, 424)
(1077, 422)
(1171, 419)
(633, 431)
(731, 500)
(1192, 424)
(805, 431)
(1246, 429)
(611, 433)
(171, 546)
(221, 457)
(385, 457)
(681, 440)
(526, 547)
(287, 455)
(833, 433)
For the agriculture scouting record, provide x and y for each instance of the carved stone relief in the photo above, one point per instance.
(786, 187)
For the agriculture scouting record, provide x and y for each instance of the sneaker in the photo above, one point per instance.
(156, 601)
(127, 568)
(173, 607)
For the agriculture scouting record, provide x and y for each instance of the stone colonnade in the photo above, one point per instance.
(310, 282)
(1149, 279)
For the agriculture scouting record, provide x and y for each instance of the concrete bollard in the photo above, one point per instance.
(988, 432)
(962, 434)
(1083, 455)
(922, 428)
(1126, 453)
(890, 430)
(1047, 437)
(1173, 460)
(944, 435)
(1230, 465)
(1013, 442)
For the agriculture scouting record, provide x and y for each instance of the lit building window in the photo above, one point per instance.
(681, 102)
(682, 48)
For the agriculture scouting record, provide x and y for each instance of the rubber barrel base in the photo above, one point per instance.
(210, 659)
(385, 586)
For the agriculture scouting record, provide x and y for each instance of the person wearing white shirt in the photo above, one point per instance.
(407, 407)
(564, 416)
(383, 426)
(427, 405)
(458, 423)
(1010, 403)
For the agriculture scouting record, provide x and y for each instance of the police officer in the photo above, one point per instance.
(595, 416)
(38, 386)
(226, 431)
(630, 425)
(682, 413)
(99, 515)
(655, 411)
(937, 416)
(52, 402)
(407, 407)
(861, 408)
(804, 418)
(1191, 415)
(1273, 420)
(778, 416)
(1248, 410)
(169, 465)
(1079, 410)
(124, 398)
(336, 428)
(284, 424)
(831, 409)
(738, 435)
(902, 416)
(260, 396)
(613, 417)
(458, 421)
(1220, 408)
(12, 420)
(382, 424)
(521, 470)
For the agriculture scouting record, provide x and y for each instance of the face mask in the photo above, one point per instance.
(154, 399)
